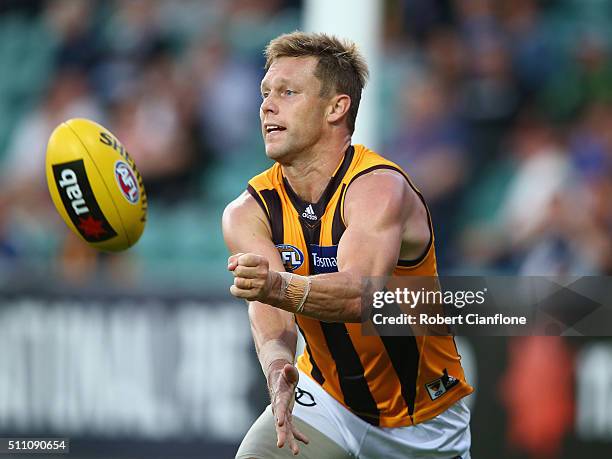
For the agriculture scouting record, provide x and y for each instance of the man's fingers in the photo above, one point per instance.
(250, 275)
(280, 417)
(283, 407)
(293, 445)
(241, 293)
(281, 436)
(250, 259)
(244, 259)
(283, 396)
(284, 435)
(232, 261)
(248, 272)
(299, 435)
(244, 284)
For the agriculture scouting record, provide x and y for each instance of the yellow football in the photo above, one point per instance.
(95, 185)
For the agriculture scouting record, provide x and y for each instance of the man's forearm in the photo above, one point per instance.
(334, 297)
(274, 350)
(274, 334)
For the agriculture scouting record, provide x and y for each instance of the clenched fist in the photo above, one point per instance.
(253, 279)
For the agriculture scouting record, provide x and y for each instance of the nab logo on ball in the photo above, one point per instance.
(80, 204)
(127, 182)
(291, 256)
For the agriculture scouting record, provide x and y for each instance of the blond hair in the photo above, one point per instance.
(341, 67)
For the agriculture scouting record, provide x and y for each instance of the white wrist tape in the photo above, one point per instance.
(305, 296)
(295, 290)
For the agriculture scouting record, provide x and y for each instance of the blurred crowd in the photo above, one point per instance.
(500, 110)
(504, 119)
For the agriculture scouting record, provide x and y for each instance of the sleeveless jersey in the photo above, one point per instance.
(388, 381)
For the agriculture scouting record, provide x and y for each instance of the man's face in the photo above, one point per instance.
(292, 112)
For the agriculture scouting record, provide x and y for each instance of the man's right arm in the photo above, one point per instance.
(246, 230)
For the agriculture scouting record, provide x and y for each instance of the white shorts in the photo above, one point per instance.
(447, 436)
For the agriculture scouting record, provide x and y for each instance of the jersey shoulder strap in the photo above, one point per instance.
(265, 189)
(266, 185)
(366, 161)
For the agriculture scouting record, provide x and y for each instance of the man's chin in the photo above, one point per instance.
(274, 152)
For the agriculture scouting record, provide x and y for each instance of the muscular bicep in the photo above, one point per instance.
(379, 207)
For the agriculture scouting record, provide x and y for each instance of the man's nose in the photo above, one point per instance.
(269, 106)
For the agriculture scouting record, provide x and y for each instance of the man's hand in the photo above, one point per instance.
(253, 279)
(282, 380)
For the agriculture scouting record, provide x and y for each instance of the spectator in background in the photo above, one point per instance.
(475, 20)
(585, 79)
(539, 169)
(543, 171)
(489, 98)
(591, 149)
(250, 24)
(73, 24)
(31, 7)
(430, 145)
(30, 220)
(156, 121)
(68, 96)
(533, 45)
(421, 17)
(229, 84)
(129, 36)
(542, 225)
(591, 142)
(447, 57)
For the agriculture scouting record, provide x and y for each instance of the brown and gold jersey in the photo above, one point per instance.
(388, 381)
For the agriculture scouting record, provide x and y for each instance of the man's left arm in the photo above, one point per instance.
(379, 207)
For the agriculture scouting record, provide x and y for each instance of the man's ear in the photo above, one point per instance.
(338, 107)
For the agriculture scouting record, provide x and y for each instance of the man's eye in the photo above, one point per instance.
(264, 95)
(289, 92)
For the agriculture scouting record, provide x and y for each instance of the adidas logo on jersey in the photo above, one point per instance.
(309, 213)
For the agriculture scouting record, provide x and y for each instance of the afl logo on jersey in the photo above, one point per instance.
(291, 256)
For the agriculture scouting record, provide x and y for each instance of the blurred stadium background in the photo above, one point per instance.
(501, 110)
